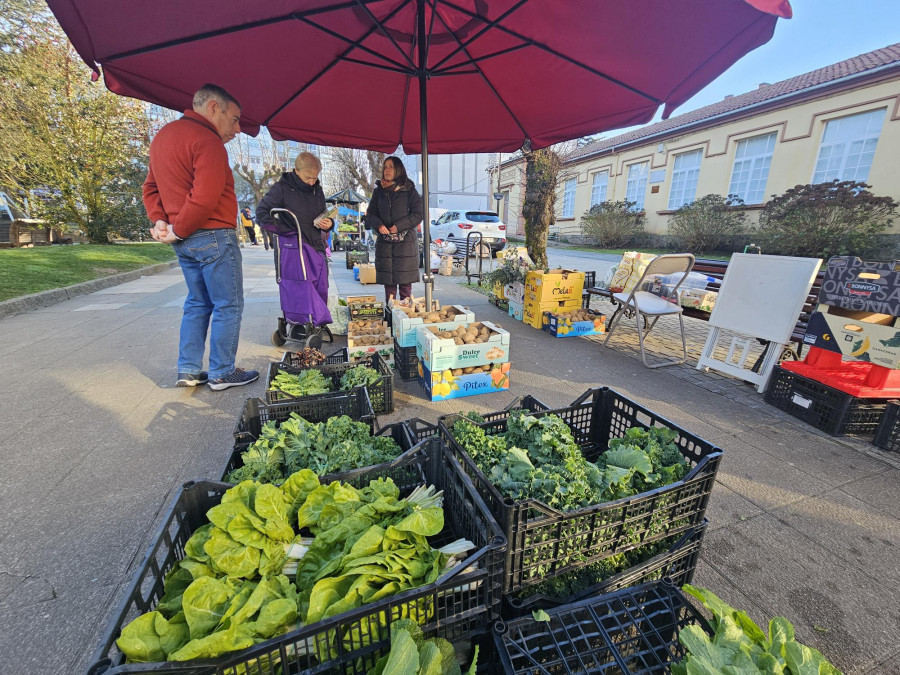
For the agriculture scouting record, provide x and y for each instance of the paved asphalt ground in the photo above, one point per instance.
(96, 441)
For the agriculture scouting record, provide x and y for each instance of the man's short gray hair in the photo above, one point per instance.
(209, 92)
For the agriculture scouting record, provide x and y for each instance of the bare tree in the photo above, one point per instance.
(361, 167)
(261, 174)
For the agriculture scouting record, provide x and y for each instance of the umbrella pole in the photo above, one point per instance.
(423, 124)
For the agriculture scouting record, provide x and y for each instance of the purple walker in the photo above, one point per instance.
(302, 276)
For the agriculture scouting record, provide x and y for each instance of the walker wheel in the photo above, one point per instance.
(278, 339)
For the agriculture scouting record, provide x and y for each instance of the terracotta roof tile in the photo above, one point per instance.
(733, 104)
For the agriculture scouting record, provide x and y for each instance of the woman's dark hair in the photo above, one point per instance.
(400, 177)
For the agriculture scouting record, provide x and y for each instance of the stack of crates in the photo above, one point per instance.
(853, 365)
(516, 294)
(554, 291)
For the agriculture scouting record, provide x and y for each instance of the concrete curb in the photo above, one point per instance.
(27, 303)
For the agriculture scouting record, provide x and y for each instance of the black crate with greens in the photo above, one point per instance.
(256, 413)
(307, 577)
(674, 559)
(575, 485)
(421, 429)
(336, 445)
(289, 383)
(651, 629)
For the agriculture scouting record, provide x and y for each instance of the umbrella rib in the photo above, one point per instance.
(476, 59)
(401, 70)
(562, 56)
(481, 32)
(230, 29)
(399, 66)
(387, 33)
(481, 72)
(324, 70)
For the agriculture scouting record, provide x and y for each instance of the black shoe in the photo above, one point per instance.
(238, 378)
(192, 379)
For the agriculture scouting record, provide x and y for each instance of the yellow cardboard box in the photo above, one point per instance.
(533, 314)
(554, 285)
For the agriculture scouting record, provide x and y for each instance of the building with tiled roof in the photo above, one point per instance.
(841, 121)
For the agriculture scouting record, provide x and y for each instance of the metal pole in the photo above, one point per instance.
(423, 123)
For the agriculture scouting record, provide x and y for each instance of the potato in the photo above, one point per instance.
(458, 341)
(457, 372)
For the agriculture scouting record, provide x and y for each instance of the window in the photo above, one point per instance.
(598, 187)
(684, 179)
(482, 217)
(636, 185)
(848, 146)
(568, 204)
(751, 168)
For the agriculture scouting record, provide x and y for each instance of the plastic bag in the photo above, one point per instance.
(340, 315)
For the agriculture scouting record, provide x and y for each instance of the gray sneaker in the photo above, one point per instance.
(238, 378)
(192, 379)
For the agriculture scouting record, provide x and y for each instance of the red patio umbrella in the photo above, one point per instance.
(440, 75)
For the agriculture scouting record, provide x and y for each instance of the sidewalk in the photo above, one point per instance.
(96, 441)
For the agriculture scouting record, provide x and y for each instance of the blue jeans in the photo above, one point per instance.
(211, 263)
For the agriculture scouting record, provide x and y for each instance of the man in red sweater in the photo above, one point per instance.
(189, 196)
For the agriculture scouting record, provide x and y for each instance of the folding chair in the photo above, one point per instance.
(645, 304)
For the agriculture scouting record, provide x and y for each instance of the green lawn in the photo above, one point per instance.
(30, 270)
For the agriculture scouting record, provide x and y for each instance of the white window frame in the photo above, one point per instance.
(685, 174)
(568, 201)
(750, 171)
(848, 158)
(636, 185)
(596, 197)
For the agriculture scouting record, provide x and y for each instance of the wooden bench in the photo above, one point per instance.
(716, 270)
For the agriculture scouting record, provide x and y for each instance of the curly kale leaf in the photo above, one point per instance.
(360, 376)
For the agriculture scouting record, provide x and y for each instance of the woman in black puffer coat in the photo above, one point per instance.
(393, 215)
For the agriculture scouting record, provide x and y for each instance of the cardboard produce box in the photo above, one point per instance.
(364, 307)
(573, 323)
(533, 314)
(405, 326)
(367, 273)
(442, 353)
(368, 327)
(554, 285)
(515, 292)
(357, 351)
(696, 298)
(517, 310)
(851, 283)
(456, 383)
(857, 335)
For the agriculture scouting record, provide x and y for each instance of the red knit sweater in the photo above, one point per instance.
(190, 184)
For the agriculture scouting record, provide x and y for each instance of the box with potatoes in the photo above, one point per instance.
(473, 344)
(365, 338)
(573, 323)
(468, 381)
(407, 320)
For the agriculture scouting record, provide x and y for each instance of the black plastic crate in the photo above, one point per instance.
(340, 356)
(421, 429)
(459, 606)
(381, 393)
(887, 435)
(400, 432)
(406, 362)
(677, 565)
(318, 408)
(544, 542)
(833, 411)
(356, 257)
(631, 631)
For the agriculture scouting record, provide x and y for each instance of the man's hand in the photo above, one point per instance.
(392, 229)
(163, 232)
(383, 230)
(324, 223)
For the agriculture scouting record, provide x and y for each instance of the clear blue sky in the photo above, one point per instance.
(821, 32)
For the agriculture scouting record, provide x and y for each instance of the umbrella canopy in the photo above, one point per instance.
(346, 196)
(496, 73)
(344, 211)
(499, 72)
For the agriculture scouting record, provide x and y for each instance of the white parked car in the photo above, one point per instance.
(456, 225)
